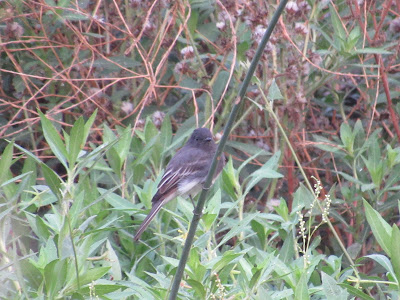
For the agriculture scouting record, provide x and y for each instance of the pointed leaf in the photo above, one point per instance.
(88, 125)
(331, 288)
(6, 161)
(395, 250)
(114, 262)
(347, 137)
(380, 228)
(355, 292)
(274, 93)
(28, 153)
(237, 228)
(123, 144)
(54, 275)
(301, 291)
(76, 142)
(54, 140)
(52, 180)
(339, 31)
(383, 261)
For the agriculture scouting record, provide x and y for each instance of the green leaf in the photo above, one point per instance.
(352, 39)
(32, 275)
(259, 229)
(207, 31)
(42, 230)
(327, 37)
(368, 187)
(393, 156)
(247, 148)
(199, 289)
(114, 161)
(113, 63)
(75, 210)
(219, 85)
(274, 93)
(350, 178)
(53, 180)
(395, 251)
(383, 261)
(152, 136)
(347, 137)
(88, 125)
(380, 228)
(94, 35)
(6, 162)
(101, 289)
(123, 145)
(90, 275)
(301, 289)
(75, 17)
(117, 201)
(7, 182)
(359, 136)
(113, 154)
(214, 204)
(398, 205)
(208, 220)
(339, 31)
(237, 228)
(54, 275)
(5, 212)
(192, 22)
(51, 3)
(113, 261)
(356, 292)
(255, 278)
(166, 133)
(241, 50)
(196, 268)
(54, 140)
(76, 142)
(326, 145)
(374, 163)
(262, 271)
(331, 288)
(283, 210)
(355, 33)
(266, 171)
(108, 134)
(230, 183)
(28, 153)
(302, 198)
(381, 51)
(150, 131)
(225, 260)
(172, 261)
(30, 168)
(286, 252)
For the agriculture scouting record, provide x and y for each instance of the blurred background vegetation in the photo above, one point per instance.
(96, 96)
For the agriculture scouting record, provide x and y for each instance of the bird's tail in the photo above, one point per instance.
(154, 210)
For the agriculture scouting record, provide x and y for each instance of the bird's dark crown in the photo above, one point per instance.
(200, 135)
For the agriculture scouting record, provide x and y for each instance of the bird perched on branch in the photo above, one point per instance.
(185, 173)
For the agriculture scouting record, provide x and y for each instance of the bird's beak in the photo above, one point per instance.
(208, 139)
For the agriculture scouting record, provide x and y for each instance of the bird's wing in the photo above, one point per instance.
(192, 165)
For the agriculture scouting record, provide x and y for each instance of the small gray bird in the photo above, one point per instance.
(185, 173)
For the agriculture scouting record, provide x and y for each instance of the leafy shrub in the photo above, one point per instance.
(74, 185)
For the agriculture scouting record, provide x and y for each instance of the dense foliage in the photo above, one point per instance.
(96, 96)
